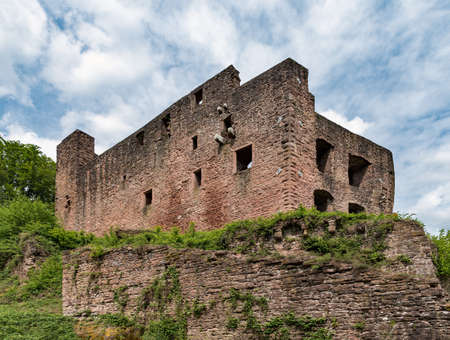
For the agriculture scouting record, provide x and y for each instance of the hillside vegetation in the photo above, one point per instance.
(32, 242)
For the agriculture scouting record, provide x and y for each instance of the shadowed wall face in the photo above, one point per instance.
(223, 152)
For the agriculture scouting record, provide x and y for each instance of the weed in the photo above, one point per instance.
(359, 326)
(232, 323)
(198, 308)
(121, 297)
(405, 259)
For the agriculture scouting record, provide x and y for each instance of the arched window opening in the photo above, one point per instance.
(354, 208)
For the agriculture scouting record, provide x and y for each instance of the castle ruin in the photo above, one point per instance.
(223, 152)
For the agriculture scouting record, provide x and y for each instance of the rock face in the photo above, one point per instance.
(224, 152)
(226, 295)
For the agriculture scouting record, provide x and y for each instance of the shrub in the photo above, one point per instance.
(442, 258)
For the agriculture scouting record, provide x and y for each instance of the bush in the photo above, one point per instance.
(442, 258)
(22, 219)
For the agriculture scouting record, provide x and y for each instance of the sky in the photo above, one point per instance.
(379, 68)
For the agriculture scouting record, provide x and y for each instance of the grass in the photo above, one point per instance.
(35, 319)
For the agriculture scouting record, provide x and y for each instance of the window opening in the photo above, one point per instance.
(166, 124)
(199, 97)
(322, 199)
(198, 178)
(148, 197)
(140, 138)
(227, 123)
(357, 167)
(244, 158)
(323, 149)
(194, 142)
(68, 202)
(354, 208)
(228, 127)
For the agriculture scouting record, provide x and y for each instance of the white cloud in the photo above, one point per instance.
(23, 35)
(356, 125)
(14, 131)
(435, 204)
(106, 127)
(108, 54)
(210, 28)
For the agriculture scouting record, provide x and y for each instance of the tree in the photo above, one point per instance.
(25, 170)
(442, 258)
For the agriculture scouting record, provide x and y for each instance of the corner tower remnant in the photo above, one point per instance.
(223, 152)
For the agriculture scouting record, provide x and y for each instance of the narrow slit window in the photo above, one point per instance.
(198, 178)
(357, 168)
(323, 149)
(322, 199)
(244, 158)
(148, 198)
(68, 202)
(194, 142)
(166, 122)
(140, 138)
(355, 208)
(199, 97)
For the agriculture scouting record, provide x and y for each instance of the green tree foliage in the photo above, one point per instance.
(442, 259)
(23, 221)
(25, 170)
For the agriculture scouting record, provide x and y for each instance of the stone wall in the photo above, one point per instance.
(272, 113)
(399, 301)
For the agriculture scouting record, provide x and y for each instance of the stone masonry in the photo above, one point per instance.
(396, 301)
(223, 152)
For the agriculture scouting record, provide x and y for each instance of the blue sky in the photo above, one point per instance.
(379, 68)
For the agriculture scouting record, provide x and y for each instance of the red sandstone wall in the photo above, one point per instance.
(395, 302)
(74, 153)
(273, 112)
(376, 191)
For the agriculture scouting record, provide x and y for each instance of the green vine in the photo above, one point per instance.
(277, 327)
(121, 297)
(154, 301)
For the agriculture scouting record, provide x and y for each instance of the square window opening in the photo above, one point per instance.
(140, 137)
(357, 168)
(194, 142)
(199, 97)
(323, 149)
(244, 158)
(198, 178)
(148, 198)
